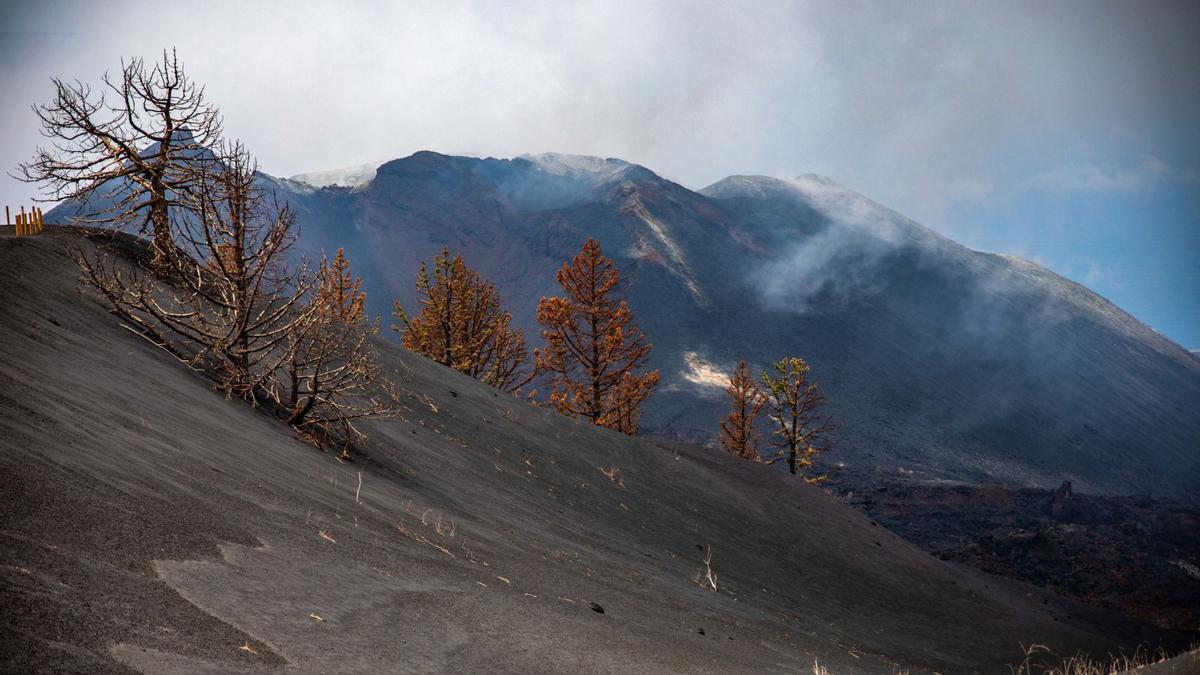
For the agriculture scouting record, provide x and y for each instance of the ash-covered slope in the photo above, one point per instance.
(936, 359)
(149, 523)
(992, 363)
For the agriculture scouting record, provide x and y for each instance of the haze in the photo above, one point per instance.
(1063, 133)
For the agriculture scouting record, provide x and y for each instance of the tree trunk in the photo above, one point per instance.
(160, 224)
(447, 332)
(594, 370)
(298, 414)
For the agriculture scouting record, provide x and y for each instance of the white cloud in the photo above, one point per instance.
(1089, 177)
(915, 104)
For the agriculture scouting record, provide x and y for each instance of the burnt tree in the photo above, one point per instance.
(794, 405)
(133, 149)
(462, 324)
(746, 401)
(595, 354)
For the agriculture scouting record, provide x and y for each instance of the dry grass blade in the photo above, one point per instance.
(705, 578)
(613, 474)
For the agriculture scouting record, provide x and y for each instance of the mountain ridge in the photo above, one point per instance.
(955, 363)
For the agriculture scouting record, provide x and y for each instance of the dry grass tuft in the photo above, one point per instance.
(705, 577)
(442, 526)
(1038, 656)
(427, 400)
(818, 669)
(613, 474)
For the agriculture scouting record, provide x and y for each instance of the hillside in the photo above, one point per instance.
(939, 360)
(150, 524)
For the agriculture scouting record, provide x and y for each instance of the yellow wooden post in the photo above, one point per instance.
(39, 219)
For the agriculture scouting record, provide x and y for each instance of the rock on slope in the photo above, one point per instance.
(937, 359)
(149, 523)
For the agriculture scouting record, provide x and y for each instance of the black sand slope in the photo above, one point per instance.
(149, 524)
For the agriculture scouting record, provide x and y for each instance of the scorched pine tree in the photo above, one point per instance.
(462, 325)
(595, 353)
(746, 401)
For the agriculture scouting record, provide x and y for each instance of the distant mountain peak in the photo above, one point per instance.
(757, 186)
(595, 170)
(183, 136)
(816, 180)
(965, 365)
(836, 201)
(350, 176)
(750, 186)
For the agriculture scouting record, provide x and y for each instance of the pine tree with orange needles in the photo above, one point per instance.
(746, 402)
(793, 405)
(462, 325)
(594, 352)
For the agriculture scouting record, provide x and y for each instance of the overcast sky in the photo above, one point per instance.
(1064, 132)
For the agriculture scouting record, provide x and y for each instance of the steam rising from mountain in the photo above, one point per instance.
(958, 364)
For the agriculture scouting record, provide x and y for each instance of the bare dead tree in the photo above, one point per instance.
(231, 303)
(333, 377)
(132, 150)
(213, 287)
